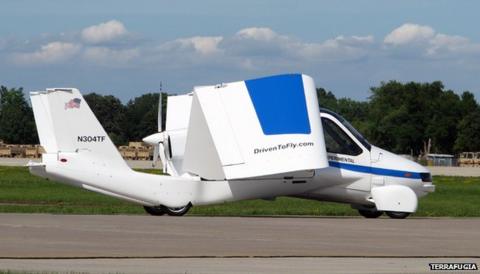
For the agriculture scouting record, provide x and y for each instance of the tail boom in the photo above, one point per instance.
(80, 153)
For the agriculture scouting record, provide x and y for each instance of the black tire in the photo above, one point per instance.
(155, 210)
(177, 211)
(397, 215)
(370, 214)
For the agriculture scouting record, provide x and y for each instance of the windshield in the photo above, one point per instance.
(352, 130)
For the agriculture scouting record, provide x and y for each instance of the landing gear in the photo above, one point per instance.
(177, 211)
(370, 214)
(154, 210)
(397, 215)
(375, 214)
(172, 211)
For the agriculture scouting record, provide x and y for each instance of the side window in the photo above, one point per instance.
(337, 141)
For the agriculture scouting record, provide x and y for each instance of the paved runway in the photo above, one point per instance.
(27, 236)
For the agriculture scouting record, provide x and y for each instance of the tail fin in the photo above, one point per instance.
(66, 124)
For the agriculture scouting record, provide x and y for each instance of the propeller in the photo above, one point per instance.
(160, 110)
(157, 139)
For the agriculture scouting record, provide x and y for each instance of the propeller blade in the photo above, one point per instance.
(161, 152)
(159, 118)
(155, 155)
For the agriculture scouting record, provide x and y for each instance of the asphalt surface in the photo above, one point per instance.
(213, 243)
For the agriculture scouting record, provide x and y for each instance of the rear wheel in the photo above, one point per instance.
(370, 214)
(155, 210)
(397, 215)
(177, 211)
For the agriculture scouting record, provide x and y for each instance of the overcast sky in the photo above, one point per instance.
(126, 48)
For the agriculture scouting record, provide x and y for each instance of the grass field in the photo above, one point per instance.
(24, 193)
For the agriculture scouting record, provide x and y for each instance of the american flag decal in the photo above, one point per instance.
(74, 103)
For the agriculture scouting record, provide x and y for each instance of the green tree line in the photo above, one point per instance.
(400, 117)
(123, 122)
(403, 117)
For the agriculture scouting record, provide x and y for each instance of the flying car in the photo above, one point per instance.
(254, 139)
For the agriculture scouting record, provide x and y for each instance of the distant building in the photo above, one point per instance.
(440, 159)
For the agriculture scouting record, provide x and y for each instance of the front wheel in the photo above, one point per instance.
(397, 215)
(370, 214)
(177, 211)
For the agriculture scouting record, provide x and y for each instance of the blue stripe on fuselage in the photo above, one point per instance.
(376, 170)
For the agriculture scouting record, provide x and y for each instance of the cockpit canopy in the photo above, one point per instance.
(329, 128)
